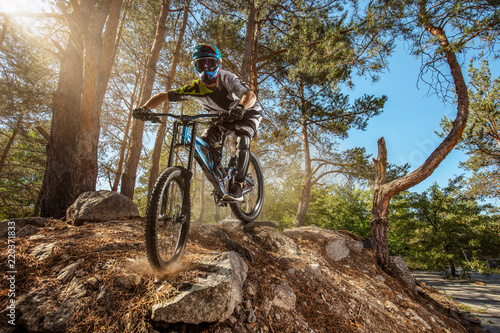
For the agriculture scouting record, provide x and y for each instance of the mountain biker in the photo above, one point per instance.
(218, 90)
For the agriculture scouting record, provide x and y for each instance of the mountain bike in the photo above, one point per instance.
(169, 206)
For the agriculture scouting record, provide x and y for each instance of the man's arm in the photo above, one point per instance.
(248, 99)
(156, 100)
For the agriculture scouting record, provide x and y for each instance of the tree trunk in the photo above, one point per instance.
(71, 167)
(305, 197)
(453, 269)
(254, 79)
(135, 149)
(126, 136)
(160, 135)
(58, 181)
(87, 137)
(246, 66)
(121, 159)
(383, 192)
(379, 222)
(202, 197)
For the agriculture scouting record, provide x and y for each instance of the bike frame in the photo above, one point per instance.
(188, 125)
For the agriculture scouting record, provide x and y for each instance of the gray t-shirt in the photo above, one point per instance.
(225, 96)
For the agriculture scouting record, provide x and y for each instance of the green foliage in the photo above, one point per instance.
(481, 137)
(442, 227)
(341, 208)
(26, 82)
(282, 192)
(469, 26)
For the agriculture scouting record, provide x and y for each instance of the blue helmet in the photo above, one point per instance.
(207, 62)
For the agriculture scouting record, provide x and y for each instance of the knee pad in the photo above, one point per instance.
(243, 157)
(243, 142)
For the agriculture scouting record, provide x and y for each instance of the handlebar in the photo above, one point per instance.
(186, 117)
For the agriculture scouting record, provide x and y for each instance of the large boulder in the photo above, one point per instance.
(209, 299)
(101, 206)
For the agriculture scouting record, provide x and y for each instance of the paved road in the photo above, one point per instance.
(472, 294)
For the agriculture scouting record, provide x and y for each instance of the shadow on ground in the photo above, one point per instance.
(481, 293)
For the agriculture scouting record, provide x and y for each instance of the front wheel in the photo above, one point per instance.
(166, 228)
(253, 193)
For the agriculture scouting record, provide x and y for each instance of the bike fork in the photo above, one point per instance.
(188, 175)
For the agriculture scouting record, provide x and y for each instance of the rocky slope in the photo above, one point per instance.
(95, 278)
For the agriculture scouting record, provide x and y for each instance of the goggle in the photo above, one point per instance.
(209, 64)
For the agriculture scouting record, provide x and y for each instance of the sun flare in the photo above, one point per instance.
(9, 6)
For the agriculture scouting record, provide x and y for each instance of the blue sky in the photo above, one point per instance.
(410, 118)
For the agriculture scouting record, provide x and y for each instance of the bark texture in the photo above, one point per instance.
(305, 196)
(135, 148)
(160, 134)
(383, 191)
(86, 63)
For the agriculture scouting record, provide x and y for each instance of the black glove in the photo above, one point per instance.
(237, 112)
(145, 114)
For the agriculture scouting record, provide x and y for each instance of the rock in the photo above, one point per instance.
(101, 206)
(398, 265)
(128, 281)
(67, 273)
(75, 289)
(336, 249)
(257, 224)
(57, 320)
(42, 251)
(316, 268)
(390, 306)
(40, 312)
(251, 318)
(231, 223)
(92, 282)
(410, 313)
(233, 245)
(313, 230)
(34, 308)
(468, 317)
(19, 224)
(284, 297)
(27, 231)
(209, 299)
(250, 289)
(355, 245)
(275, 241)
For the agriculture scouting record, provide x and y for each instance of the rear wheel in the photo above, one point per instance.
(166, 229)
(253, 193)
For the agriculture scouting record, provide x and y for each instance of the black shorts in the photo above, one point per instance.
(246, 126)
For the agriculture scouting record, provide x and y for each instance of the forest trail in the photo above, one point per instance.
(480, 293)
(94, 277)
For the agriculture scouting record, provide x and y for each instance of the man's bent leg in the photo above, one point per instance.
(242, 161)
(242, 155)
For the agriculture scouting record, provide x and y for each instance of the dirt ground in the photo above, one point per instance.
(480, 293)
(348, 295)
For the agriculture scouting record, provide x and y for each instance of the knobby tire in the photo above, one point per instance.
(250, 209)
(166, 238)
